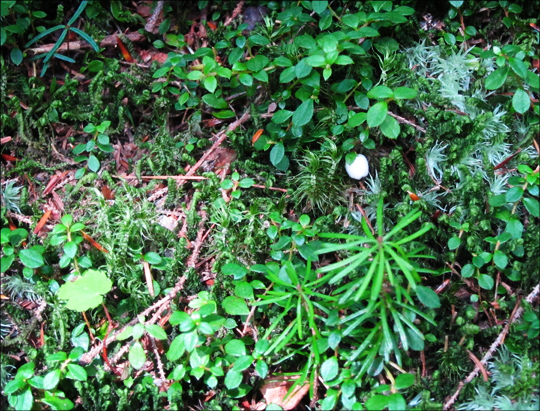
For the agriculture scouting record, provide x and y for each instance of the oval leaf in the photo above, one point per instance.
(235, 306)
(303, 113)
(377, 114)
(329, 369)
(428, 297)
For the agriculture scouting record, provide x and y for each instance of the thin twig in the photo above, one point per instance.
(198, 242)
(405, 121)
(164, 302)
(516, 314)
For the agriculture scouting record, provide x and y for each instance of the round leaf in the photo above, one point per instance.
(500, 259)
(86, 291)
(454, 242)
(235, 270)
(236, 348)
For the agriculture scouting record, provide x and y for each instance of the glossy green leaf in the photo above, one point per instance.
(303, 114)
(136, 355)
(521, 101)
(93, 163)
(236, 348)
(514, 194)
(235, 306)
(454, 243)
(500, 259)
(377, 114)
(405, 93)
(531, 204)
(486, 282)
(390, 127)
(380, 93)
(31, 258)
(214, 101)
(497, 78)
(277, 153)
(86, 291)
(233, 379)
(428, 297)
(329, 369)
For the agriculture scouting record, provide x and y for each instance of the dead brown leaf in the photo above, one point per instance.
(275, 389)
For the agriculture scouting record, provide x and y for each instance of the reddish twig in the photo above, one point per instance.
(516, 314)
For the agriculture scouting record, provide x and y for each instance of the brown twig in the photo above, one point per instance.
(198, 242)
(221, 137)
(164, 302)
(516, 314)
(283, 190)
(151, 23)
(405, 121)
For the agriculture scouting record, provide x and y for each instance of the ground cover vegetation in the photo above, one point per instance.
(179, 231)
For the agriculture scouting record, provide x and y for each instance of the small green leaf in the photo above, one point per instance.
(210, 83)
(497, 78)
(152, 258)
(235, 306)
(404, 381)
(486, 282)
(405, 93)
(514, 194)
(521, 101)
(31, 258)
(390, 127)
(500, 259)
(519, 67)
(156, 331)
(236, 348)
(233, 379)
(262, 369)
(136, 356)
(235, 270)
(281, 116)
(215, 102)
(428, 297)
(93, 163)
(277, 153)
(302, 115)
(380, 93)
(243, 290)
(330, 369)
(76, 372)
(85, 292)
(515, 228)
(16, 56)
(531, 204)
(377, 114)
(454, 243)
(51, 380)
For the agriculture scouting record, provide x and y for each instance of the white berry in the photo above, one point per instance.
(359, 167)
